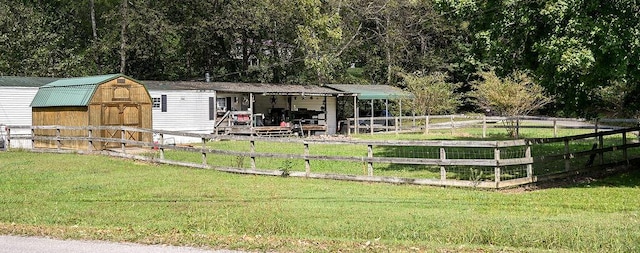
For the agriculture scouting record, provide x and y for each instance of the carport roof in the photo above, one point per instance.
(367, 92)
(259, 88)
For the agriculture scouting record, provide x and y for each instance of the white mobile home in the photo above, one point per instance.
(16, 94)
(242, 108)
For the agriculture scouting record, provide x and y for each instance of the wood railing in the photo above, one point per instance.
(487, 164)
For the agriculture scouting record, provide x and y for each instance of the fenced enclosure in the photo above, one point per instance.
(462, 163)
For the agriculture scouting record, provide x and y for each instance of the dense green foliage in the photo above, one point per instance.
(96, 197)
(584, 53)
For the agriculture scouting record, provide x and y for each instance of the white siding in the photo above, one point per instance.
(15, 104)
(15, 110)
(186, 111)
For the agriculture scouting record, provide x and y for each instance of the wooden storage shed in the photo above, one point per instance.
(106, 100)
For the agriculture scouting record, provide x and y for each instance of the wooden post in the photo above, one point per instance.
(555, 128)
(58, 141)
(496, 156)
(624, 149)
(8, 144)
(348, 127)
(426, 124)
(396, 125)
(567, 162)
(161, 146)
(484, 126)
(596, 125)
(33, 138)
(203, 151)
(452, 125)
(370, 163)
(307, 163)
(527, 154)
(253, 156)
(443, 170)
(90, 141)
(601, 146)
(122, 138)
(517, 127)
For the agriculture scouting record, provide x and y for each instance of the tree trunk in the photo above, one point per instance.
(93, 20)
(123, 38)
(388, 48)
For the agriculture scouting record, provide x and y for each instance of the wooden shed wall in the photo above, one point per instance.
(121, 102)
(61, 116)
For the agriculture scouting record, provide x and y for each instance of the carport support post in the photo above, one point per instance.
(386, 114)
(204, 152)
(355, 116)
(371, 119)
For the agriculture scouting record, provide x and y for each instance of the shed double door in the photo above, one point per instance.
(121, 114)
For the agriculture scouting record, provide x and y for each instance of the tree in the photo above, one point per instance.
(432, 93)
(515, 95)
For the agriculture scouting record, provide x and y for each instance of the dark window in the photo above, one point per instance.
(212, 108)
(156, 103)
(163, 106)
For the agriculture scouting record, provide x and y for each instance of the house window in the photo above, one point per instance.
(156, 103)
(159, 103)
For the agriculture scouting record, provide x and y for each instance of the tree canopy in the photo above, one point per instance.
(584, 53)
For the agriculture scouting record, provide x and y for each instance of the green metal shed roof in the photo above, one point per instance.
(367, 92)
(75, 91)
(21, 81)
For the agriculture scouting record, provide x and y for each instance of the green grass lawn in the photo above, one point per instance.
(96, 197)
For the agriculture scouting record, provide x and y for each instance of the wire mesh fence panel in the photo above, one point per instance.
(469, 173)
(513, 172)
(406, 171)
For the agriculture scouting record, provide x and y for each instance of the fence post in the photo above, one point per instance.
(426, 124)
(596, 125)
(90, 141)
(484, 126)
(307, 163)
(518, 127)
(567, 163)
(452, 125)
(204, 152)
(396, 125)
(624, 149)
(253, 156)
(601, 146)
(122, 138)
(58, 141)
(161, 146)
(496, 156)
(527, 154)
(8, 144)
(348, 127)
(555, 128)
(443, 170)
(33, 138)
(370, 163)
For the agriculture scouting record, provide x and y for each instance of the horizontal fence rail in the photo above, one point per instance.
(482, 163)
